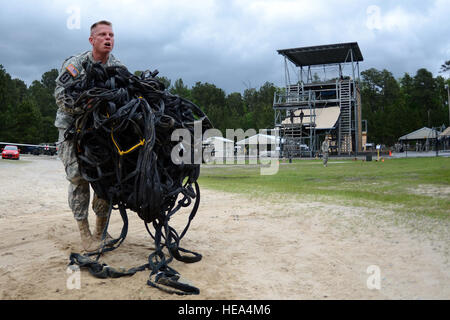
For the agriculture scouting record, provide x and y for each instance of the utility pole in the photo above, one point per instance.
(448, 93)
(436, 141)
(406, 146)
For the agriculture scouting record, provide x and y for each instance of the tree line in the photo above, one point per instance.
(27, 114)
(392, 107)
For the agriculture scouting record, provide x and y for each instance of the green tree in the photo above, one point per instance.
(42, 93)
(180, 89)
(212, 101)
(382, 97)
(413, 121)
(425, 97)
(236, 111)
(446, 66)
(27, 123)
(440, 115)
(258, 105)
(49, 80)
(166, 81)
(12, 92)
(265, 118)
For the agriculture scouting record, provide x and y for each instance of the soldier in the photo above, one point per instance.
(325, 147)
(102, 41)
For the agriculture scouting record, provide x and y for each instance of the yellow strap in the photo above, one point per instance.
(141, 143)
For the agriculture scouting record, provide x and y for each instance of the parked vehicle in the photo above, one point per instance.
(48, 149)
(35, 151)
(10, 152)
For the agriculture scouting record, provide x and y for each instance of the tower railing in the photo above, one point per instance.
(297, 129)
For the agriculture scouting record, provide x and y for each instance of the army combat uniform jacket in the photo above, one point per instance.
(325, 146)
(72, 70)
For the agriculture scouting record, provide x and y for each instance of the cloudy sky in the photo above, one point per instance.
(229, 43)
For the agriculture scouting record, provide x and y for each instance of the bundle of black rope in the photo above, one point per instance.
(123, 136)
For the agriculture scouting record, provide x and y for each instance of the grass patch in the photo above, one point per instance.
(395, 183)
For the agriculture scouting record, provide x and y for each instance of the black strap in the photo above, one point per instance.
(102, 270)
(124, 147)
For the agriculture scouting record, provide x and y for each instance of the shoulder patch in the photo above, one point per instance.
(64, 77)
(72, 70)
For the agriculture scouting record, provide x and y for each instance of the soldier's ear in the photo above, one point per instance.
(91, 40)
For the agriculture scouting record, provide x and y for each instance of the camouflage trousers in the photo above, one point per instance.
(79, 191)
(325, 158)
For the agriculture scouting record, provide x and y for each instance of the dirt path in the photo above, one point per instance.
(252, 248)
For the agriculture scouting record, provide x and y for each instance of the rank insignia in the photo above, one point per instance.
(72, 70)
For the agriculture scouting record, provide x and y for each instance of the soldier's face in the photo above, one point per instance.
(102, 39)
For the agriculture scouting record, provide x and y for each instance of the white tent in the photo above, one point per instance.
(222, 147)
(259, 142)
(259, 139)
(423, 133)
(445, 133)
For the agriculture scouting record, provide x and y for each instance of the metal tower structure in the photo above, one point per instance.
(312, 107)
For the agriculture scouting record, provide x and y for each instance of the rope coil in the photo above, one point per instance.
(120, 109)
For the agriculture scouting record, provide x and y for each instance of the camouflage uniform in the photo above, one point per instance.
(325, 147)
(79, 194)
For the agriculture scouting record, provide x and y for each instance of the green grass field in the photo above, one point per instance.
(418, 185)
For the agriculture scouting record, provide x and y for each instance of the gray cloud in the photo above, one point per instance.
(229, 43)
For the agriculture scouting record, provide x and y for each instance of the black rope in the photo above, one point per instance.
(124, 148)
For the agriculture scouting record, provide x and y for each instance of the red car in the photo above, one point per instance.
(10, 152)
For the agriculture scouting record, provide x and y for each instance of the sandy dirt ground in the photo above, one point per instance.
(274, 248)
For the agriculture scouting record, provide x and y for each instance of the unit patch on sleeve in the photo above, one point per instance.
(73, 71)
(64, 77)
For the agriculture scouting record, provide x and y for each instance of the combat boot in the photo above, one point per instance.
(88, 243)
(100, 224)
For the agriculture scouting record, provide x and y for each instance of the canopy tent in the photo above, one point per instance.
(259, 139)
(445, 133)
(326, 118)
(423, 133)
(217, 139)
(222, 147)
(259, 144)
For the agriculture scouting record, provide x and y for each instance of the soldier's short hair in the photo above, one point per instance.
(100, 22)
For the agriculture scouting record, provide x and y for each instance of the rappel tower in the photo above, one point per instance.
(321, 97)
